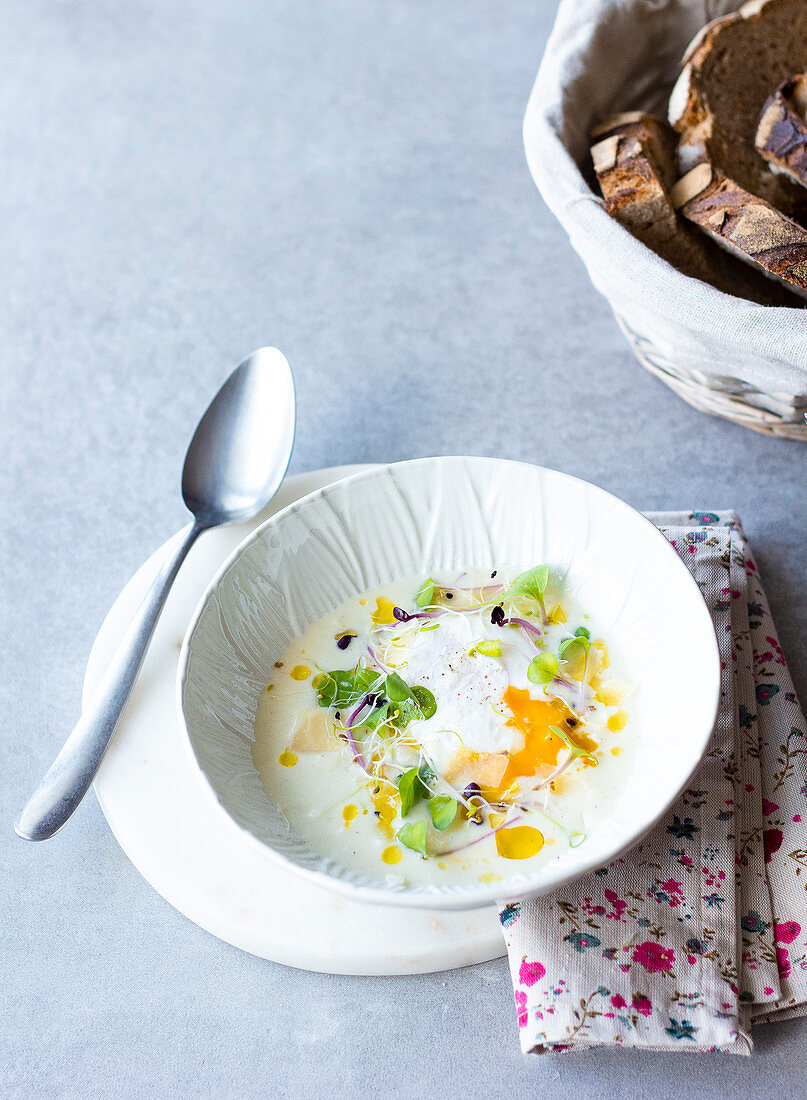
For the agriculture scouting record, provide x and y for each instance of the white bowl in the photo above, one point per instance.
(443, 514)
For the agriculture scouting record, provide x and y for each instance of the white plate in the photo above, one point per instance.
(157, 806)
(441, 515)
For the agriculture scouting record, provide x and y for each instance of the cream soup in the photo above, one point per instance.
(457, 729)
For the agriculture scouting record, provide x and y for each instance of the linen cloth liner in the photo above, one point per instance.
(701, 930)
(621, 55)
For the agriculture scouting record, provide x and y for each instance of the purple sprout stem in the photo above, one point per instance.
(402, 616)
(534, 630)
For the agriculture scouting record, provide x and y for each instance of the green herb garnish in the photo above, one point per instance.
(532, 583)
(582, 632)
(345, 688)
(411, 787)
(426, 702)
(569, 648)
(443, 810)
(486, 649)
(413, 836)
(395, 701)
(425, 595)
(543, 668)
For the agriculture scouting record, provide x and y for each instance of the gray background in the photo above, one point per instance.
(181, 183)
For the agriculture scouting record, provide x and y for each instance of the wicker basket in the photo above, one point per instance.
(731, 398)
(723, 355)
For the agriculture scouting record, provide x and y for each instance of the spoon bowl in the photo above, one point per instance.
(240, 450)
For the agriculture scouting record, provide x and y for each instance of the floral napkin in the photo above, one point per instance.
(701, 930)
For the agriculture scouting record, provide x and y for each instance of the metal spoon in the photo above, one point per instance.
(234, 466)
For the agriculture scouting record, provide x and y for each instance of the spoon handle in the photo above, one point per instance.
(74, 769)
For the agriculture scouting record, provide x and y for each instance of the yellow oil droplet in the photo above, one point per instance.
(490, 876)
(349, 813)
(618, 721)
(362, 603)
(550, 840)
(383, 611)
(519, 842)
(300, 672)
(616, 750)
(557, 614)
(442, 866)
(392, 854)
(287, 758)
(269, 688)
(384, 797)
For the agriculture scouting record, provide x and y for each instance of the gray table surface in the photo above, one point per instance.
(183, 182)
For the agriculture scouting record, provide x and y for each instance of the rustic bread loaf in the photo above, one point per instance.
(745, 225)
(634, 160)
(729, 70)
(781, 136)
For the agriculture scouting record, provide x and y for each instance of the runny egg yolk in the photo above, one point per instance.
(541, 746)
(533, 717)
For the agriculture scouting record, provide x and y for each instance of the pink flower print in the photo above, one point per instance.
(797, 817)
(768, 807)
(530, 973)
(785, 931)
(618, 1001)
(642, 1004)
(521, 1008)
(768, 991)
(782, 962)
(617, 904)
(771, 842)
(675, 891)
(653, 957)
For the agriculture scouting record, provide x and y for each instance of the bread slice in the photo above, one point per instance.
(781, 136)
(745, 225)
(634, 160)
(729, 70)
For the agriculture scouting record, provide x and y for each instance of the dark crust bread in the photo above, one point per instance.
(633, 163)
(744, 224)
(634, 160)
(781, 136)
(729, 70)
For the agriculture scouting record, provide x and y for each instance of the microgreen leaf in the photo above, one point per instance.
(425, 595)
(413, 836)
(411, 788)
(427, 775)
(486, 649)
(575, 750)
(406, 789)
(373, 717)
(344, 688)
(582, 632)
(396, 689)
(443, 810)
(425, 700)
(579, 642)
(543, 668)
(532, 583)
